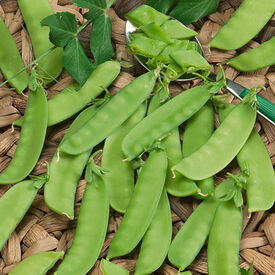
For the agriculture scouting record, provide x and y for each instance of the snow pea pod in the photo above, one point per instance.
(238, 30)
(227, 222)
(155, 32)
(10, 60)
(164, 119)
(193, 234)
(126, 101)
(260, 190)
(212, 157)
(142, 206)
(50, 66)
(70, 101)
(91, 226)
(178, 186)
(144, 15)
(120, 180)
(153, 251)
(260, 57)
(109, 268)
(37, 264)
(14, 204)
(65, 172)
(31, 139)
(145, 46)
(176, 30)
(198, 130)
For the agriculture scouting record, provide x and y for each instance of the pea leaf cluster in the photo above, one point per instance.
(64, 33)
(186, 11)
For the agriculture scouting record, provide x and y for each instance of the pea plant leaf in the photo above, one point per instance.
(247, 272)
(188, 11)
(160, 5)
(63, 28)
(76, 63)
(96, 7)
(100, 41)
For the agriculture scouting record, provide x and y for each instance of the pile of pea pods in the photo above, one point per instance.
(143, 156)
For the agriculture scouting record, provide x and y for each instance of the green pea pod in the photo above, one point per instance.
(144, 15)
(198, 130)
(120, 180)
(223, 145)
(238, 30)
(31, 139)
(50, 66)
(14, 204)
(155, 32)
(65, 172)
(260, 57)
(226, 230)
(126, 101)
(91, 227)
(153, 251)
(193, 234)
(11, 62)
(37, 264)
(176, 30)
(190, 60)
(70, 101)
(185, 273)
(145, 46)
(176, 185)
(142, 206)
(260, 190)
(177, 45)
(166, 118)
(109, 268)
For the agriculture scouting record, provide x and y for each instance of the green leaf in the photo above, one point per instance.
(188, 11)
(63, 28)
(160, 5)
(247, 272)
(96, 7)
(76, 63)
(100, 41)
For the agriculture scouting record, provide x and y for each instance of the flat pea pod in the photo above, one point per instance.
(197, 131)
(260, 190)
(238, 30)
(193, 234)
(145, 46)
(163, 120)
(126, 101)
(185, 273)
(37, 264)
(155, 32)
(90, 230)
(144, 15)
(120, 180)
(109, 268)
(31, 139)
(153, 251)
(10, 60)
(177, 185)
(176, 30)
(224, 259)
(50, 66)
(70, 101)
(65, 172)
(260, 57)
(13, 206)
(212, 157)
(142, 206)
